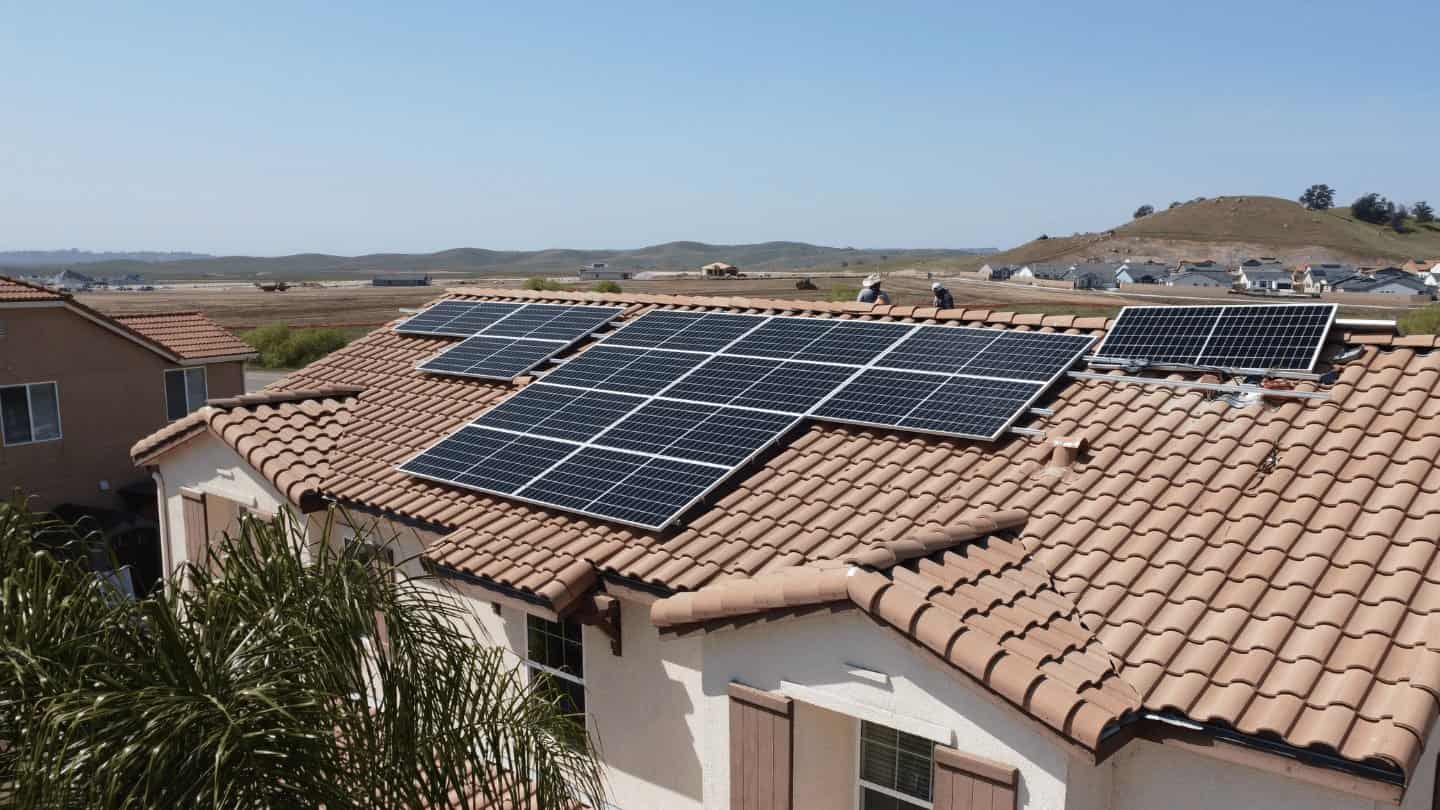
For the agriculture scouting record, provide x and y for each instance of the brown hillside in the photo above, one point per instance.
(1232, 228)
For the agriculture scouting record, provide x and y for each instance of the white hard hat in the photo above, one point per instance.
(934, 285)
(871, 280)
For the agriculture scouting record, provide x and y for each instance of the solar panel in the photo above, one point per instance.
(561, 413)
(550, 322)
(640, 427)
(456, 318)
(492, 358)
(1272, 336)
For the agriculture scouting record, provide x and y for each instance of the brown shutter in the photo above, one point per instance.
(196, 530)
(964, 782)
(761, 726)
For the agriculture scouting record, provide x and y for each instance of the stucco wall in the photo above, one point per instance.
(851, 666)
(112, 393)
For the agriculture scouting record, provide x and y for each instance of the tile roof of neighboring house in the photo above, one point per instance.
(1257, 274)
(1271, 568)
(12, 289)
(1221, 276)
(1381, 278)
(190, 335)
(287, 436)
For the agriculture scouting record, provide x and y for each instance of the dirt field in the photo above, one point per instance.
(358, 306)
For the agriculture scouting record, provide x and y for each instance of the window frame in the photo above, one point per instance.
(184, 372)
(862, 784)
(546, 668)
(30, 414)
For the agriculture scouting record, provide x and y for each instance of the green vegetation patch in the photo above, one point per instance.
(282, 347)
(1424, 321)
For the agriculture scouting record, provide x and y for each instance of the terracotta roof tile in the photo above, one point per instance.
(189, 335)
(1283, 508)
(13, 290)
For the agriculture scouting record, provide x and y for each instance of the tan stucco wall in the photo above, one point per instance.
(112, 393)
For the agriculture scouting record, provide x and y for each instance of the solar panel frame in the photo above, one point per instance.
(453, 310)
(523, 355)
(1211, 315)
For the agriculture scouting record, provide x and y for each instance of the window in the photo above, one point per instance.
(895, 769)
(185, 391)
(30, 413)
(557, 659)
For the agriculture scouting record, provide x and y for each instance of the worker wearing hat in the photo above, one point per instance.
(943, 298)
(870, 292)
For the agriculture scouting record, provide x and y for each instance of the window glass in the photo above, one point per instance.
(556, 645)
(195, 388)
(175, 399)
(899, 763)
(45, 411)
(15, 414)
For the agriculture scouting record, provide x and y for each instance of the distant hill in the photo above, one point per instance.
(469, 262)
(66, 258)
(1232, 228)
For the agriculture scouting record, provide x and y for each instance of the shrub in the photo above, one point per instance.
(1372, 208)
(282, 347)
(1421, 321)
(1144, 211)
(1423, 212)
(606, 287)
(544, 284)
(842, 294)
(1318, 197)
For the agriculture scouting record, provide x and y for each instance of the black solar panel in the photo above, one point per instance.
(685, 430)
(487, 459)
(1278, 336)
(561, 413)
(632, 371)
(939, 348)
(639, 427)
(551, 322)
(639, 490)
(491, 358)
(456, 318)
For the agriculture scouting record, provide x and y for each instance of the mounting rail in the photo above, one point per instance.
(1224, 388)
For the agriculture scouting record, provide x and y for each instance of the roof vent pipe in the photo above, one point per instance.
(1066, 450)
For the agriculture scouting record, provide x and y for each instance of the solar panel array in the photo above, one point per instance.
(1280, 337)
(642, 426)
(503, 340)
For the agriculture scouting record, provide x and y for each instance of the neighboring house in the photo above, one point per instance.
(77, 387)
(1420, 266)
(1043, 272)
(1186, 265)
(1142, 273)
(1203, 278)
(1319, 278)
(1094, 275)
(999, 272)
(1386, 281)
(401, 281)
(600, 271)
(720, 270)
(1170, 600)
(1265, 279)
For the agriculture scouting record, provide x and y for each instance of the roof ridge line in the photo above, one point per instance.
(278, 397)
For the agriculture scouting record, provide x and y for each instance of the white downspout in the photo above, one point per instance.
(164, 514)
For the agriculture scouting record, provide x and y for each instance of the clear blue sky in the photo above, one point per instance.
(269, 128)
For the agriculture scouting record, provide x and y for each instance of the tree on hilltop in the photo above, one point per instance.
(1318, 197)
(1144, 211)
(1423, 212)
(1372, 208)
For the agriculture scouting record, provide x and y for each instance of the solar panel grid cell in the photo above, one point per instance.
(880, 397)
(1273, 336)
(1026, 355)
(632, 371)
(853, 342)
(939, 348)
(969, 407)
(488, 357)
(563, 413)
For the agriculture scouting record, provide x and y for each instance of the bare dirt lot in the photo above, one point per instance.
(358, 307)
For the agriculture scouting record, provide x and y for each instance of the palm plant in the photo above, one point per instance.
(282, 674)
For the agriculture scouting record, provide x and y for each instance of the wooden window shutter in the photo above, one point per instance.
(964, 782)
(761, 729)
(196, 528)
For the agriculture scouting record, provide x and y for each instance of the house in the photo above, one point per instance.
(1266, 278)
(1094, 275)
(1218, 278)
(1318, 278)
(600, 271)
(69, 280)
(1169, 599)
(999, 272)
(720, 270)
(1386, 280)
(1142, 273)
(1420, 266)
(1042, 272)
(400, 280)
(78, 386)
(1186, 265)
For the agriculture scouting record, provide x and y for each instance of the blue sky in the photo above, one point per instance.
(273, 128)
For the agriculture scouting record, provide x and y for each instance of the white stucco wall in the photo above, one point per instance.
(848, 664)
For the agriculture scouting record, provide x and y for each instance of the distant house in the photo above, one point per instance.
(1421, 266)
(400, 281)
(997, 272)
(1186, 265)
(69, 281)
(1202, 278)
(1385, 281)
(1319, 278)
(600, 271)
(720, 270)
(1266, 278)
(1093, 275)
(1142, 273)
(1043, 272)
